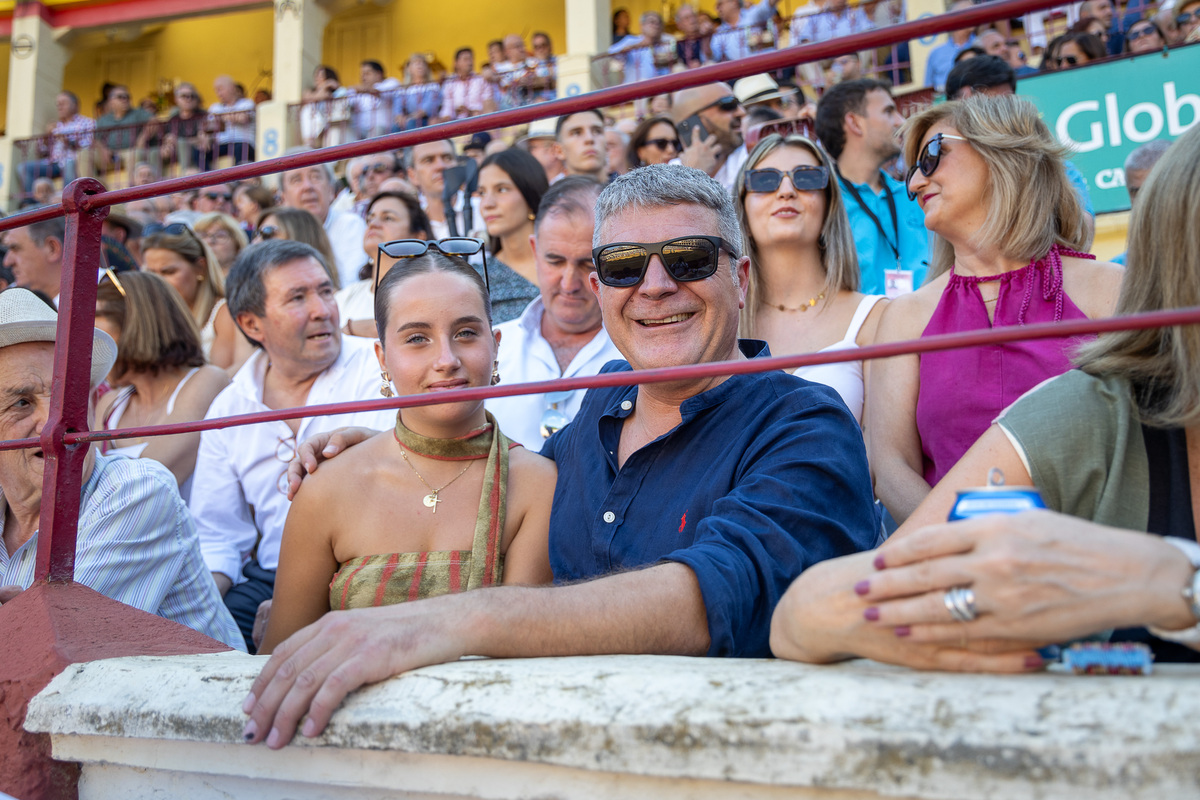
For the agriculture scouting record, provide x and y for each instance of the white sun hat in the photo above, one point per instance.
(25, 318)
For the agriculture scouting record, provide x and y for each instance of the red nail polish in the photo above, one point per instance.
(903, 630)
(862, 587)
(879, 562)
(1034, 662)
(871, 614)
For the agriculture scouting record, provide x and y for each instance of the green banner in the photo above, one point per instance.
(1104, 112)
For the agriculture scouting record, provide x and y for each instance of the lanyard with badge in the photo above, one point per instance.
(899, 280)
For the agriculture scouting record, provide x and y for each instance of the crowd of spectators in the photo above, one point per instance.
(751, 515)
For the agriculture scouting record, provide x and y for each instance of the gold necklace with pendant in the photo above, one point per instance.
(431, 500)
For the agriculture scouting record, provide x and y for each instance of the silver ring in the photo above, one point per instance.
(960, 602)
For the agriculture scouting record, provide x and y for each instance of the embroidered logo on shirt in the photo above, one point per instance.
(683, 522)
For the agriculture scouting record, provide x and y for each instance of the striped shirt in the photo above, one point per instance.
(137, 545)
(468, 93)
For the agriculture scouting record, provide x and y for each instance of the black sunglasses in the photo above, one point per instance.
(1068, 60)
(663, 144)
(804, 179)
(459, 246)
(928, 160)
(688, 258)
(728, 104)
(217, 196)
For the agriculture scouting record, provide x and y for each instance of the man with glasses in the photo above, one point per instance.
(217, 198)
(559, 335)
(721, 116)
(281, 298)
(857, 122)
(682, 510)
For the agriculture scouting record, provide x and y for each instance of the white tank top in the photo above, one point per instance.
(845, 377)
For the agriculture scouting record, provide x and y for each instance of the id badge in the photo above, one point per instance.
(897, 282)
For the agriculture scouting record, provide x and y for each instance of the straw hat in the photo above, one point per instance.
(25, 318)
(759, 89)
(539, 129)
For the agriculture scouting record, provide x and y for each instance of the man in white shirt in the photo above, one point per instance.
(559, 335)
(426, 165)
(236, 115)
(718, 108)
(372, 101)
(312, 189)
(281, 296)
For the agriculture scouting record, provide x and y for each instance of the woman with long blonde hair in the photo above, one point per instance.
(802, 295)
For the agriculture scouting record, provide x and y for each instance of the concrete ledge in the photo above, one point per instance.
(637, 726)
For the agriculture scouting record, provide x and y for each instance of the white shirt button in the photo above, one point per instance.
(609, 516)
(626, 405)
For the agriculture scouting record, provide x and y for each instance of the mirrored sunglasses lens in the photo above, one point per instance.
(690, 259)
(809, 179)
(622, 265)
(553, 420)
(763, 180)
(460, 247)
(404, 249)
(267, 232)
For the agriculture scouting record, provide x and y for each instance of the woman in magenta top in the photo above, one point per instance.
(1009, 231)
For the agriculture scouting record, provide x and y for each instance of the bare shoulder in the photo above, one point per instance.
(199, 392)
(1093, 285)
(531, 467)
(345, 476)
(906, 316)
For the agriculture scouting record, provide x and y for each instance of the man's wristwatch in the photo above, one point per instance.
(1190, 592)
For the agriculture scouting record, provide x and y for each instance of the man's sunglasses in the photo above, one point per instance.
(663, 144)
(688, 258)
(804, 179)
(928, 160)
(728, 104)
(214, 196)
(412, 248)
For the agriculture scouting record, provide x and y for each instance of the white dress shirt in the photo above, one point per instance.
(525, 356)
(346, 230)
(240, 486)
(727, 174)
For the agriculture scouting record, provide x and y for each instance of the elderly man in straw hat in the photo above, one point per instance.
(136, 541)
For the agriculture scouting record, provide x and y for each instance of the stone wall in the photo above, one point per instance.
(625, 726)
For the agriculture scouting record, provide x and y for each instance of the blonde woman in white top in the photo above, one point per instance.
(803, 293)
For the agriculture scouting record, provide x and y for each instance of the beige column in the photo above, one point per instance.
(589, 31)
(299, 29)
(919, 51)
(35, 76)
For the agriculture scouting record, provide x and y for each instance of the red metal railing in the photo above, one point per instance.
(64, 439)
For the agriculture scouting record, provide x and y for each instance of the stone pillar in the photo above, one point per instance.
(918, 49)
(589, 31)
(299, 28)
(35, 76)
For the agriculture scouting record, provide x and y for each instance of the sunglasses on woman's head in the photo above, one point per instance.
(804, 179)
(459, 246)
(663, 144)
(928, 160)
(688, 258)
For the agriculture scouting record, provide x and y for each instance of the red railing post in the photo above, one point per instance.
(63, 476)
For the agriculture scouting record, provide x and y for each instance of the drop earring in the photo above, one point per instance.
(495, 372)
(385, 388)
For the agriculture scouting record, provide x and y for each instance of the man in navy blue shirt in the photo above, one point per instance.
(682, 511)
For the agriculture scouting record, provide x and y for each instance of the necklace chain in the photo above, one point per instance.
(431, 500)
(812, 301)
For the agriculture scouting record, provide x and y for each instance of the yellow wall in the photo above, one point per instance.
(401, 28)
(195, 50)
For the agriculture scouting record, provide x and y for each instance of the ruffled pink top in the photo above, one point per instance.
(962, 391)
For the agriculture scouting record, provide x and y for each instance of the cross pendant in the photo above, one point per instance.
(431, 500)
